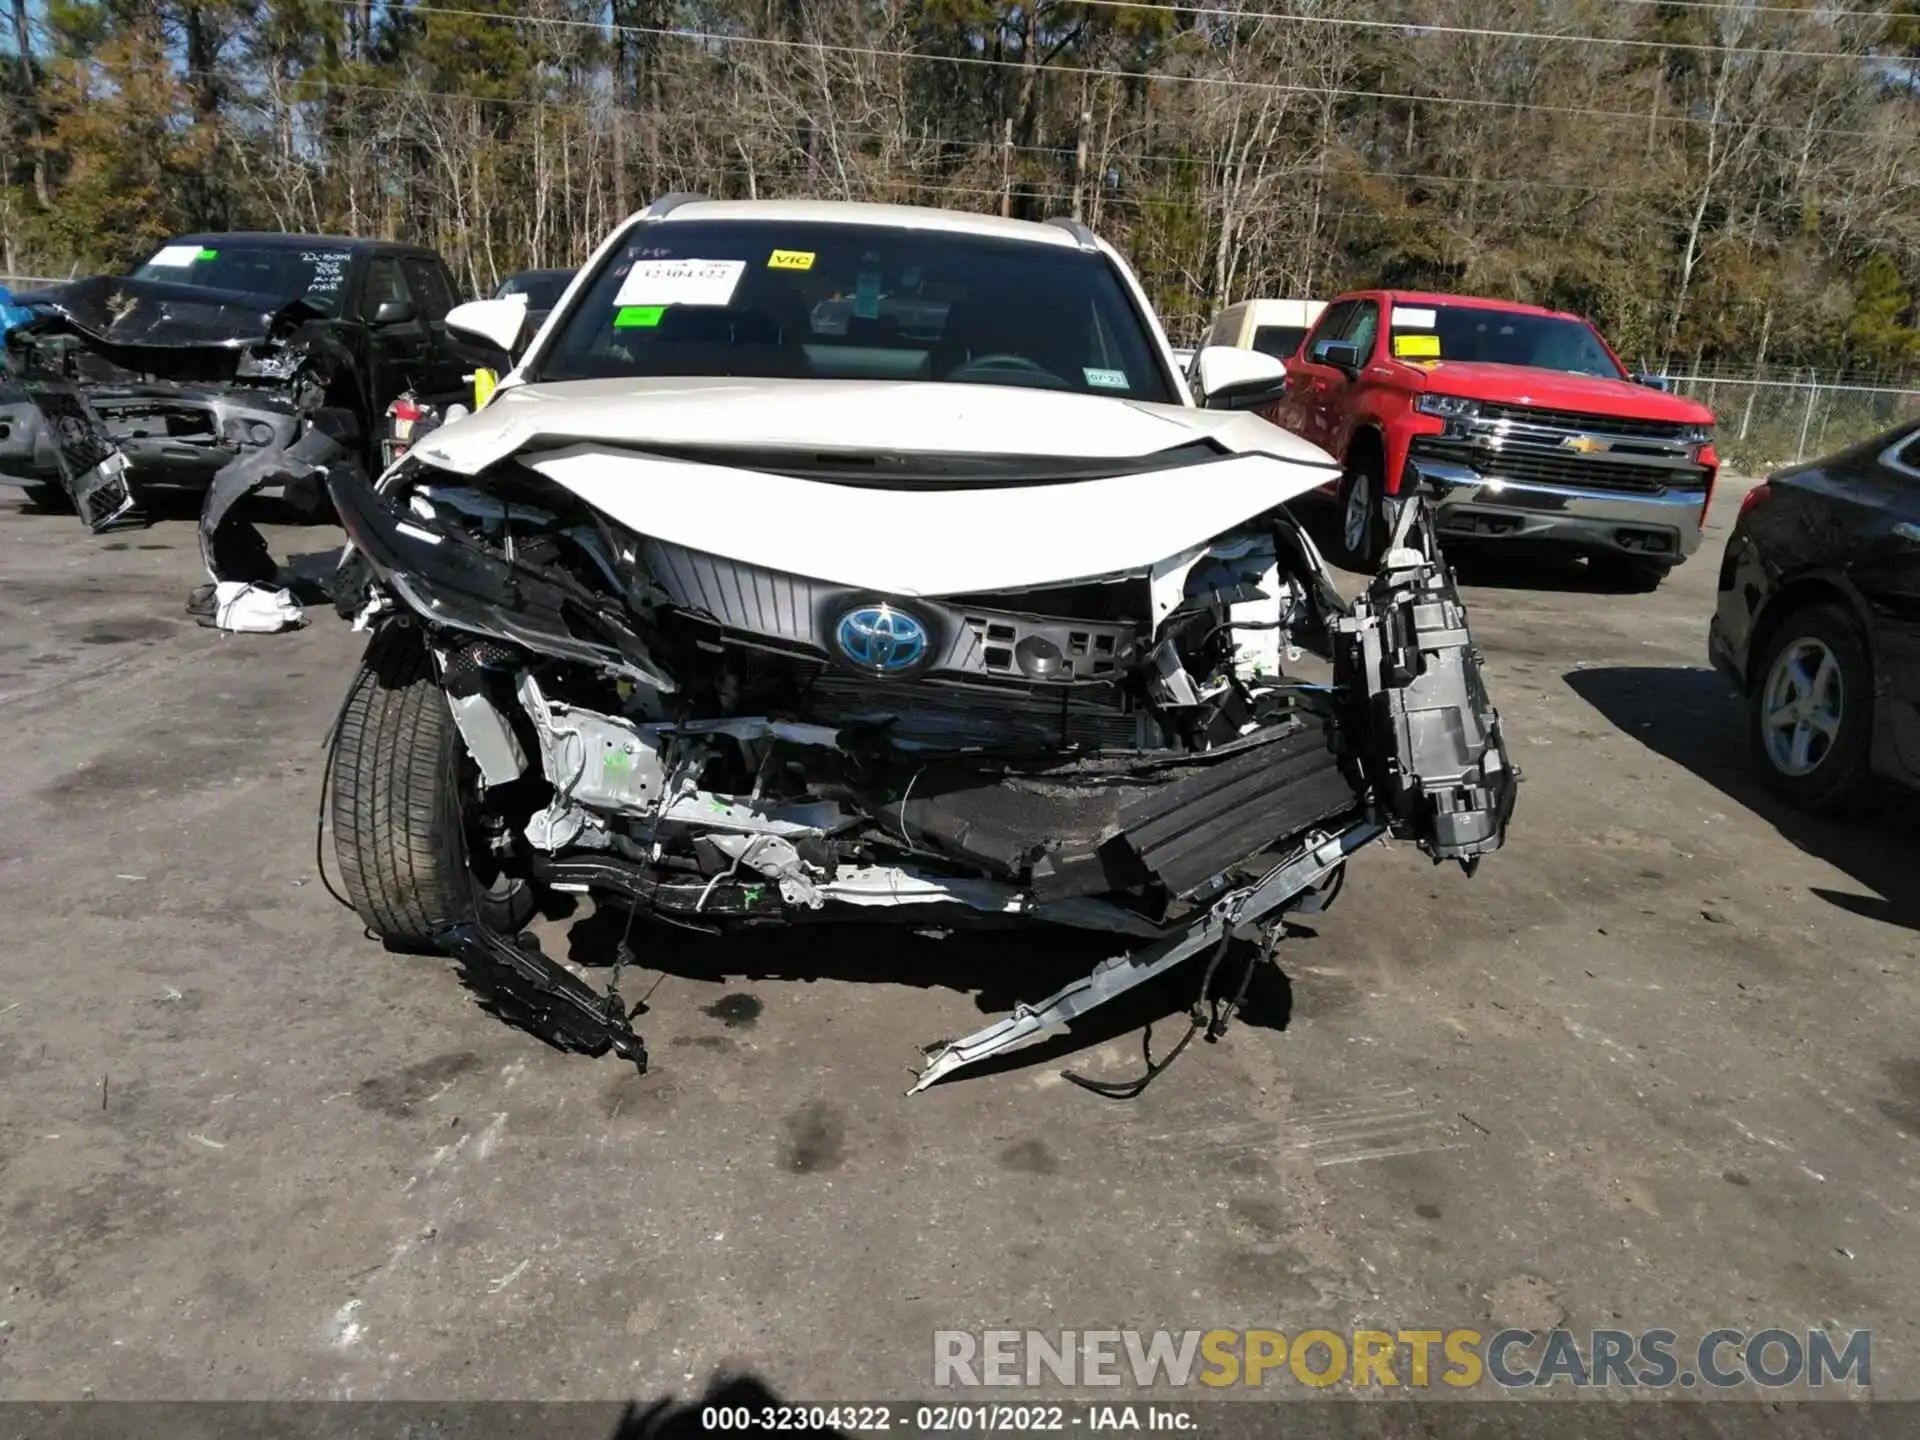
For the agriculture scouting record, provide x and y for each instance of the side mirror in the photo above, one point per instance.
(1341, 354)
(1653, 382)
(394, 312)
(497, 323)
(1229, 378)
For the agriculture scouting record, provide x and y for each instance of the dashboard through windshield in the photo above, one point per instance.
(783, 300)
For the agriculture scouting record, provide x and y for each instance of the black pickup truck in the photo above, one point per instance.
(218, 347)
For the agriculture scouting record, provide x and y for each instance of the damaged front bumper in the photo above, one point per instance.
(1475, 505)
(149, 435)
(690, 751)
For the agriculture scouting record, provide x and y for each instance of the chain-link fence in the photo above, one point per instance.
(1767, 420)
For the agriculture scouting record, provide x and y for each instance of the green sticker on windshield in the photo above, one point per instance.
(638, 317)
(208, 255)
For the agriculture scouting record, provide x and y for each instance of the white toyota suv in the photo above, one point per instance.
(815, 559)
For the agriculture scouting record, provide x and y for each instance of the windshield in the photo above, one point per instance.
(543, 288)
(1500, 337)
(781, 299)
(1279, 341)
(284, 272)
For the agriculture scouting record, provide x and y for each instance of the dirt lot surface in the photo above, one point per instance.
(1656, 1065)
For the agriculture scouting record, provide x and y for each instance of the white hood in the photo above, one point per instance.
(589, 435)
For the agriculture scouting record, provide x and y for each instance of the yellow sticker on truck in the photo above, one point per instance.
(790, 260)
(1416, 347)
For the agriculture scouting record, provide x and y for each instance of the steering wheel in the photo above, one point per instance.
(1019, 363)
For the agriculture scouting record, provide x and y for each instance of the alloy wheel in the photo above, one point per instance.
(1802, 706)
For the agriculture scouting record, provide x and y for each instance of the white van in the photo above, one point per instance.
(1275, 327)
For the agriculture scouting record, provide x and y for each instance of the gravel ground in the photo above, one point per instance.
(1654, 1066)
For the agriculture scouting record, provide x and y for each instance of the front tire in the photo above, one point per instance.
(1361, 516)
(400, 805)
(1810, 710)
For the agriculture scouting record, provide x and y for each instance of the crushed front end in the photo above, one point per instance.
(117, 384)
(1174, 753)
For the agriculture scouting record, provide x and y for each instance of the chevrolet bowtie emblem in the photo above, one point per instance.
(1585, 444)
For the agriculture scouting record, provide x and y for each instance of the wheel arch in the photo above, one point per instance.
(1814, 588)
(1368, 439)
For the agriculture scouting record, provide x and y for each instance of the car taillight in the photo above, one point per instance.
(1758, 495)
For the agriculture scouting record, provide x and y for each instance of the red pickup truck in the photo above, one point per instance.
(1521, 421)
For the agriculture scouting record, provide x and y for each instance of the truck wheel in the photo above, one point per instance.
(402, 799)
(1362, 537)
(1810, 712)
(1627, 574)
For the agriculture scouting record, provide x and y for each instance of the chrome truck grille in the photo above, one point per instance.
(1555, 447)
(1560, 467)
(1592, 424)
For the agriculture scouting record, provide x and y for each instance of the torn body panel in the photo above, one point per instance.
(1123, 742)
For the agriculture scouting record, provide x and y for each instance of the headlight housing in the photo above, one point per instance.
(1696, 434)
(1447, 407)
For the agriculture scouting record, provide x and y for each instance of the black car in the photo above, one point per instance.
(543, 288)
(219, 347)
(1818, 621)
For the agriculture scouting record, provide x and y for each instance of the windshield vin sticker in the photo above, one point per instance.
(1106, 379)
(680, 282)
(176, 255)
(1408, 318)
(790, 260)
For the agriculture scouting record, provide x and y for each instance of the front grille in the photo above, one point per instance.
(155, 419)
(1547, 468)
(979, 635)
(1575, 420)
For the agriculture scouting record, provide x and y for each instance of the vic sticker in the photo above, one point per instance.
(680, 282)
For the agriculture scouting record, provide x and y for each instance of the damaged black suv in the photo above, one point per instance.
(822, 560)
(219, 347)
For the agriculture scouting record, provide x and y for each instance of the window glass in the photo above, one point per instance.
(429, 287)
(1330, 324)
(276, 272)
(1279, 341)
(1364, 328)
(1226, 328)
(543, 288)
(384, 283)
(1500, 337)
(810, 300)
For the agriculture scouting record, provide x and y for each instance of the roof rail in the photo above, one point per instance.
(1074, 228)
(666, 204)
